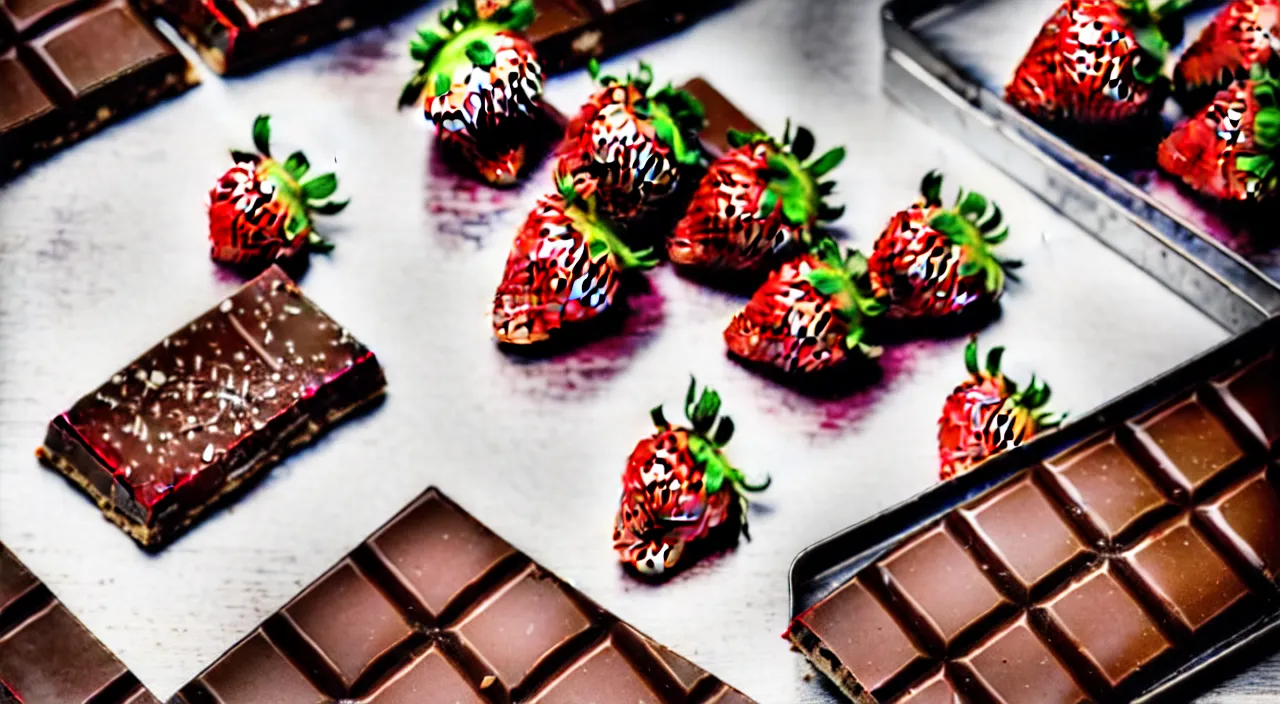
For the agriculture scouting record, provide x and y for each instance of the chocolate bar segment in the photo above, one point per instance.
(569, 33)
(69, 68)
(721, 116)
(1128, 555)
(435, 608)
(211, 406)
(47, 656)
(236, 36)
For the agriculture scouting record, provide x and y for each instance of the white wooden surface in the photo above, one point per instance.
(102, 252)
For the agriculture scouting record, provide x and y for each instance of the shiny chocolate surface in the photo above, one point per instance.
(498, 628)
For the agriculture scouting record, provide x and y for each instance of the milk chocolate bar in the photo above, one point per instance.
(47, 656)
(69, 68)
(721, 116)
(1100, 571)
(568, 33)
(214, 404)
(434, 607)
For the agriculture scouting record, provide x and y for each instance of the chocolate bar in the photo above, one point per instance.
(235, 36)
(568, 33)
(434, 607)
(47, 656)
(69, 68)
(721, 116)
(214, 404)
(1100, 570)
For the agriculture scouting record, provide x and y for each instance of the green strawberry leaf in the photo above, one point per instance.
(738, 138)
(296, 225)
(971, 356)
(827, 162)
(593, 68)
(244, 157)
(318, 244)
(994, 357)
(480, 53)
(826, 187)
(442, 84)
(659, 418)
(802, 146)
(320, 187)
(413, 90)
(597, 248)
(690, 396)
(992, 221)
(972, 206)
(931, 188)
(713, 476)
(332, 207)
(467, 11)
(297, 165)
(828, 281)
(795, 210)
(262, 134)
(724, 432)
(705, 412)
(768, 203)
(519, 15)
(827, 213)
(854, 338)
(997, 237)
(1266, 128)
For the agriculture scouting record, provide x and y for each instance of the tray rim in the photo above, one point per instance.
(910, 52)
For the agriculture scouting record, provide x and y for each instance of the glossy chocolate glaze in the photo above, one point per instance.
(214, 402)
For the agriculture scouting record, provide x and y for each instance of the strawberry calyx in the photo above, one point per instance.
(1261, 168)
(794, 181)
(302, 198)
(845, 278)
(462, 37)
(602, 240)
(676, 115)
(976, 225)
(1157, 26)
(1032, 398)
(708, 434)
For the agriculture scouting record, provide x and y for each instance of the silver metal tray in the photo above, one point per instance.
(822, 567)
(949, 60)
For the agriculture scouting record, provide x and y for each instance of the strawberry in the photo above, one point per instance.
(1096, 64)
(260, 210)
(1227, 151)
(988, 414)
(678, 487)
(483, 85)
(932, 261)
(809, 314)
(1244, 34)
(628, 144)
(563, 268)
(755, 203)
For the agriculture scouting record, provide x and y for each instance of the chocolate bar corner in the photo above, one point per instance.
(210, 407)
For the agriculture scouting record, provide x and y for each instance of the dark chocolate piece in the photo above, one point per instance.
(1122, 559)
(569, 33)
(215, 403)
(721, 116)
(236, 36)
(47, 656)
(69, 68)
(435, 609)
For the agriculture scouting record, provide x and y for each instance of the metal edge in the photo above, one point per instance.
(1200, 269)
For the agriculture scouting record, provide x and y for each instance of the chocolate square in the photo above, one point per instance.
(520, 626)
(1099, 622)
(76, 67)
(935, 689)
(942, 585)
(1245, 518)
(15, 583)
(350, 624)
(436, 552)
(216, 402)
(1187, 443)
(50, 657)
(1108, 488)
(431, 678)
(1013, 664)
(255, 670)
(860, 639)
(1253, 395)
(1025, 535)
(1189, 580)
(603, 675)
